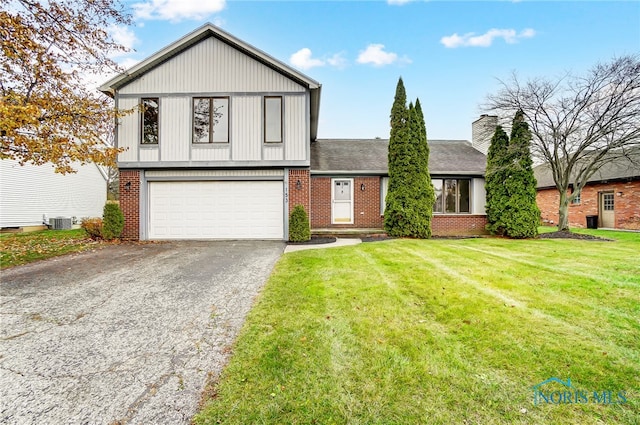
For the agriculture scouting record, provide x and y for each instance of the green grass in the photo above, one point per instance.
(22, 248)
(439, 332)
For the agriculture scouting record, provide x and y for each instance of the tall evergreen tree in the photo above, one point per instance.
(408, 206)
(521, 216)
(426, 195)
(496, 173)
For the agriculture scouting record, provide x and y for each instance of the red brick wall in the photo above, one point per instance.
(367, 210)
(299, 195)
(366, 203)
(626, 205)
(459, 224)
(130, 203)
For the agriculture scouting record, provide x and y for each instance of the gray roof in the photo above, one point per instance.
(369, 156)
(620, 168)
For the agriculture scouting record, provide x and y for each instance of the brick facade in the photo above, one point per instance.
(626, 204)
(299, 193)
(458, 224)
(367, 210)
(366, 203)
(130, 203)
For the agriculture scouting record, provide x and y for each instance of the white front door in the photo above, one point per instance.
(342, 201)
(607, 210)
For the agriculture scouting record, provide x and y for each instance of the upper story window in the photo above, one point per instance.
(211, 120)
(273, 119)
(150, 112)
(452, 196)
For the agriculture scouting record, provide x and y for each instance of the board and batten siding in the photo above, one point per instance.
(128, 136)
(175, 128)
(211, 66)
(295, 135)
(246, 128)
(246, 132)
(28, 192)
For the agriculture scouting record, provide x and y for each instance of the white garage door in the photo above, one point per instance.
(216, 210)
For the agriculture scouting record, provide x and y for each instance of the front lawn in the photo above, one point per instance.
(22, 248)
(441, 332)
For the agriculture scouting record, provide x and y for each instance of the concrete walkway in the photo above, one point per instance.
(338, 242)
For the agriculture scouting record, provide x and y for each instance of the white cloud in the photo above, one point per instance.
(485, 40)
(374, 54)
(177, 10)
(337, 60)
(123, 36)
(302, 59)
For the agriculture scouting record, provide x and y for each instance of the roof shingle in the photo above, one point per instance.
(446, 157)
(617, 168)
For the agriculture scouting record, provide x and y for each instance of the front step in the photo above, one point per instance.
(348, 233)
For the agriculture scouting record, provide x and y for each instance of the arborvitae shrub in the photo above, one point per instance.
(299, 229)
(410, 197)
(522, 216)
(112, 221)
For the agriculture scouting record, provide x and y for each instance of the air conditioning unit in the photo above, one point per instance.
(60, 223)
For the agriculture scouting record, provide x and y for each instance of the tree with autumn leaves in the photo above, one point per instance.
(48, 114)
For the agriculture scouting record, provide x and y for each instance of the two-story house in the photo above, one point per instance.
(219, 145)
(222, 144)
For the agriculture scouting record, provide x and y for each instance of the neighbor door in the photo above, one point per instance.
(342, 201)
(607, 211)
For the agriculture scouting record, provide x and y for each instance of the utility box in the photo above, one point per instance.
(61, 223)
(592, 222)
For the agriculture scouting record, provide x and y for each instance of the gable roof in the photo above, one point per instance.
(369, 156)
(618, 168)
(202, 33)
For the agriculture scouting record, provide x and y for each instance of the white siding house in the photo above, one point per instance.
(29, 192)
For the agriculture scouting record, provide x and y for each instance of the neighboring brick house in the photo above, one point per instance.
(612, 194)
(224, 144)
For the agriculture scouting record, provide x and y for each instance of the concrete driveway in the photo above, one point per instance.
(125, 334)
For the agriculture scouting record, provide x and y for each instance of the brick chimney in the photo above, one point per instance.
(482, 131)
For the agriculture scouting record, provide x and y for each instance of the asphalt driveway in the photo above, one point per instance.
(125, 334)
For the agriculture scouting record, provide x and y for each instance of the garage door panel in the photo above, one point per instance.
(216, 210)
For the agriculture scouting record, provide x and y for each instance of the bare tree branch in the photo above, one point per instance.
(578, 123)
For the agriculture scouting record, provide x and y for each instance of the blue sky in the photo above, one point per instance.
(449, 54)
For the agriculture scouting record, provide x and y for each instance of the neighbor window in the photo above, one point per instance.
(273, 119)
(608, 202)
(452, 195)
(150, 112)
(211, 120)
(576, 200)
